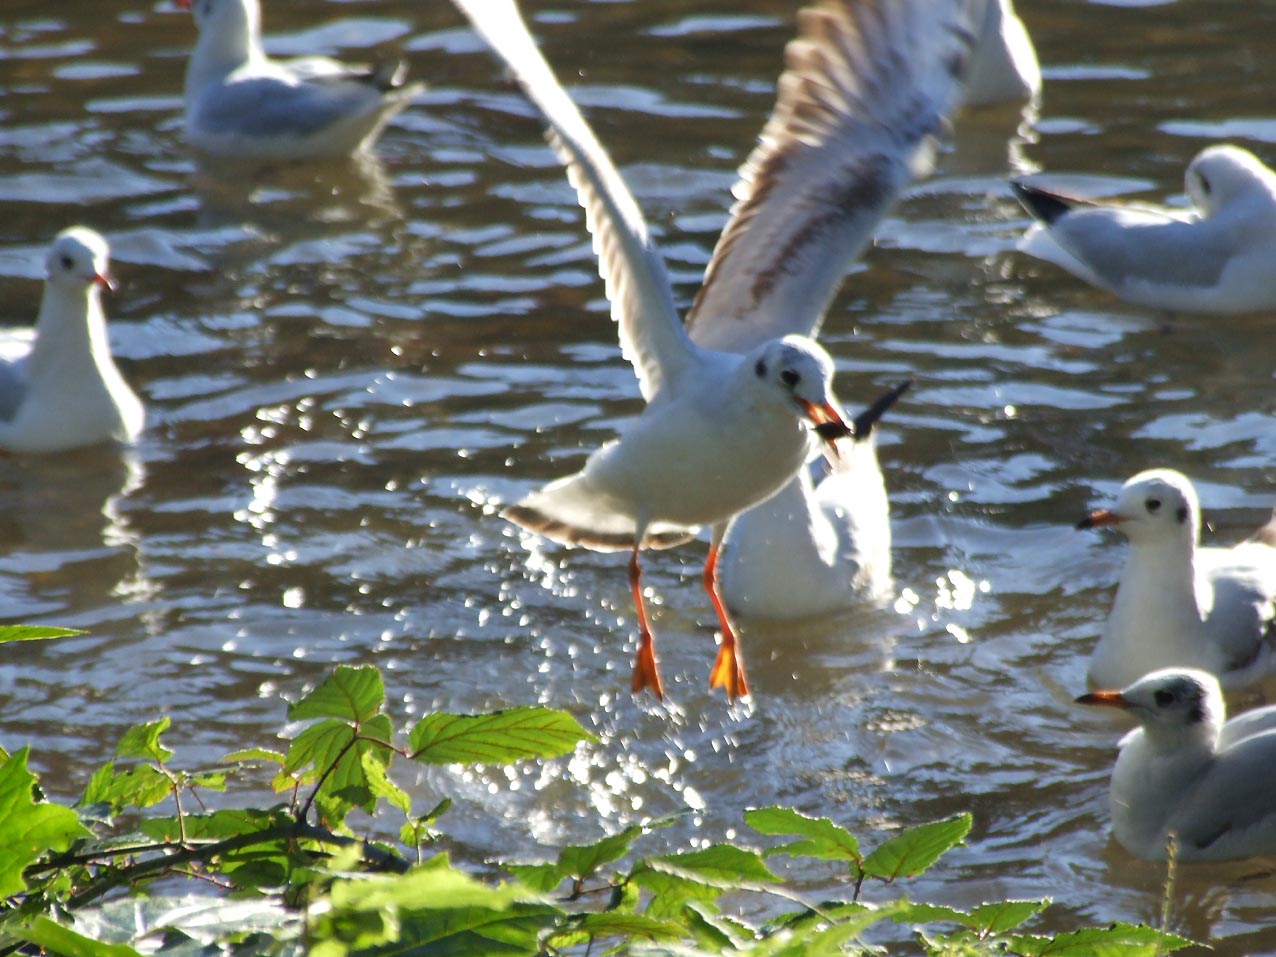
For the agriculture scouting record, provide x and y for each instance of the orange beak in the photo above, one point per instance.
(1103, 516)
(1108, 699)
(829, 423)
(103, 280)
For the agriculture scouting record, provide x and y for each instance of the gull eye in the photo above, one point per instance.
(1182, 514)
(66, 262)
(1205, 184)
(760, 369)
(1163, 698)
(790, 378)
(1153, 505)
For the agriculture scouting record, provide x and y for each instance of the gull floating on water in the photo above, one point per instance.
(1004, 67)
(1188, 774)
(62, 390)
(721, 430)
(1213, 258)
(242, 104)
(1179, 604)
(865, 90)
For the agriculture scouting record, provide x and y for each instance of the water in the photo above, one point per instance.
(346, 367)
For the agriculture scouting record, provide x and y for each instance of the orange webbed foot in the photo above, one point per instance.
(645, 673)
(728, 673)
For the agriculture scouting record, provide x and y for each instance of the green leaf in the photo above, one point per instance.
(721, 864)
(671, 892)
(590, 927)
(348, 694)
(824, 840)
(254, 756)
(911, 852)
(499, 737)
(142, 741)
(215, 826)
(34, 633)
(997, 917)
(140, 787)
(822, 938)
(379, 783)
(64, 942)
(30, 829)
(334, 744)
(582, 860)
(541, 878)
(1117, 940)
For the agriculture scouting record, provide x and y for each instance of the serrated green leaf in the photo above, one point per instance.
(214, 826)
(30, 829)
(139, 787)
(671, 892)
(254, 755)
(590, 927)
(917, 913)
(541, 878)
(822, 938)
(1117, 940)
(912, 851)
(998, 917)
(582, 860)
(824, 840)
(721, 864)
(142, 741)
(511, 932)
(499, 737)
(379, 783)
(56, 939)
(34, 633)
(348, 694)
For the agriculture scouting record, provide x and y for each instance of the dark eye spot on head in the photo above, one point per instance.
(760, 369)
(1182, 514)
(790, 378)
(1163, 698)
(66, 262)
(1205, 184)
(1152, 505)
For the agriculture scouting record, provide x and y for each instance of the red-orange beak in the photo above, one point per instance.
(103, 280)
(1108, 699)
(1103, 516)
(828, 421)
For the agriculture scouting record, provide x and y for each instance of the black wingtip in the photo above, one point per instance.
(865, 421)
(1042, 204)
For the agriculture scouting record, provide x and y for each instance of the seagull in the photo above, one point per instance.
(1215, 258)
(1179, 604)
(1004, 65)
(1187, 774)
(241, 104)
(834, 536)
(61, 389)
(721, 430)
(865, 92)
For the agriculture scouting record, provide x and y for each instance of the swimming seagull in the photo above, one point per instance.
(1179, 604)
(866, 89)
(242, 104)
(1003, 67)
(1188, 774)
(721, 430)
(62, 390)
(1213, 258)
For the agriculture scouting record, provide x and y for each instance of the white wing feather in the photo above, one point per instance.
(637, 285)
(867, 85)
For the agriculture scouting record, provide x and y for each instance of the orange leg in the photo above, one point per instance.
(728, 669)
(645, 673)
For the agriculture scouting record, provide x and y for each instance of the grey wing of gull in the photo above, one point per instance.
(269, 106)
(1133, 245)
(1234, 800)
(1244, 608)
(15, 346)
(867, 85)
(637, 285)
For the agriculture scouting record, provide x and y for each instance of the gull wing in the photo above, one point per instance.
(637, 285)
(866, 87)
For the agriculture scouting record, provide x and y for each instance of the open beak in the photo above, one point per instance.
(1103, 516)
(829, 424)
(1108, 699)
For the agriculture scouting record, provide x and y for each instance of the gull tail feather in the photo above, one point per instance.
(571, 511)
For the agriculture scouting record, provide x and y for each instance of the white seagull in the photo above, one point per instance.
(1214, 258)
(1179, 604)
(62, 390)
(866, 89)
(1003, 67)
(1186, 773)
(242, 104)
(721, 430)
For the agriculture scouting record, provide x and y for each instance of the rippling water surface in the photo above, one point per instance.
(347, 367)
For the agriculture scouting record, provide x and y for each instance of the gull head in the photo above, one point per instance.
(1221, 175)
(1173, 705)
(798, 373)
(238, 19)
(1158, 505)
(78, 259)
